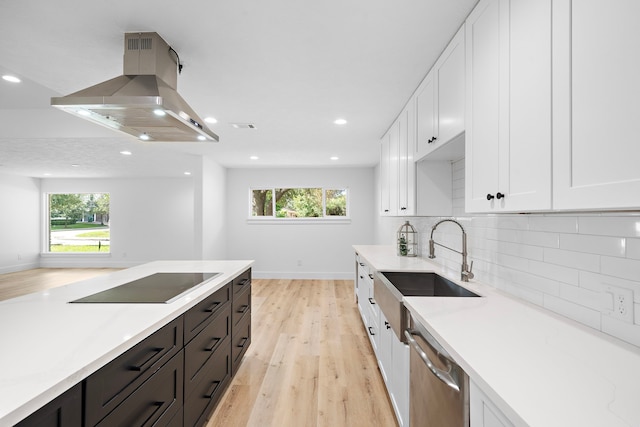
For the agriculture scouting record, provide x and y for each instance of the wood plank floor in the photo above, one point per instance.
(25, 282)
(310, 362)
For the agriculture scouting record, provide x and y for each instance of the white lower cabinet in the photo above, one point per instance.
(483, 413)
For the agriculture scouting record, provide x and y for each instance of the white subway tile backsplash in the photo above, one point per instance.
(559, 224)
(555, 272)
(524, 251)
(621, 267)
(581, 296)
(633, 248)
(572, 259)
(525, 293)
(539, 238)
(573, 311)
(600, 245)
(511, 261)
(622, 226)
(596, 282)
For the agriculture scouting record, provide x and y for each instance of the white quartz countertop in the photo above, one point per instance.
(539, 368)
(49, 345)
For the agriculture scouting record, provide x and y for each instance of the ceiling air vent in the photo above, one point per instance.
(243, 125)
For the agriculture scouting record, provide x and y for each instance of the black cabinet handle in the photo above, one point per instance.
(214, 344)
(150, 419)
(361, 264)
(371, 276)
(212, 391)
(434, 139)
(371, 331)
(387, 325)
(499, 196)
(244, 282)
(403, 209)
(371, 301)
(430, 140)
(362, 277)
(490, 196)
(386, 210)
(212, 307)
(148, 362)
(244, 341)
(243, 309)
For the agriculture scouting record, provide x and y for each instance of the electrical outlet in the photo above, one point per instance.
(618, 303)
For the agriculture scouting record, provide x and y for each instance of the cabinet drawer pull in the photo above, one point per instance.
(150, 361)
(243, 309)
(212, 307)
(148, 421)
(361, 264)
(214, 344)
(212, 391)
(386, 210)
(387, 325)
(372, 301)
(244, 282)
(490, 197)
(499, 196)
(371, 276)
(362, 277)
(243, 342)
(371, 330)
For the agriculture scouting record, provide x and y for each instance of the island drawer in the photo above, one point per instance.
(242, 282)
(241, 338)
(64, 410)
(203, 349)
(197, 318)
(241, 305)
(113, 383)
(155, 402)
(212, 382)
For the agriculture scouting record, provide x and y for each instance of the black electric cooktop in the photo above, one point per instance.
(156, 288)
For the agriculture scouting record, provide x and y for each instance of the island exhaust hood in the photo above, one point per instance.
(143, 102)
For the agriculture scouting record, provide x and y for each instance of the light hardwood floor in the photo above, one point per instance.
(25, 282)
(309, 364)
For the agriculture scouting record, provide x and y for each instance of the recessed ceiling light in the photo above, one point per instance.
(254, 157)
(126, 153)
(340, 121)
(75, 165)
(210, 120)
(201, 138)
(84, 113)
(334, 158)
(144, 137)
(12, 79)
(187, 173)
(46, 174)
(159, 112)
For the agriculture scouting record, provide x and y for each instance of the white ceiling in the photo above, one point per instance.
(289, 67)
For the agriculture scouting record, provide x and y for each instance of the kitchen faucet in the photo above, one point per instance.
(465, 273)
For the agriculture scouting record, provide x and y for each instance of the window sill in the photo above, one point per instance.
(78, 254)
(294, 221)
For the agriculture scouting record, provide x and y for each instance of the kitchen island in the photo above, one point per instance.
(537, 368)
(49, 345)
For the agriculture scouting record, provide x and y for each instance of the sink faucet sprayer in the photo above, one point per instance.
(466, 273)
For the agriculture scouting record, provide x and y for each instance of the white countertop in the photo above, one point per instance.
(49, 345)
(540, 369)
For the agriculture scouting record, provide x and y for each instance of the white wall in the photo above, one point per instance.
(151, 219)
(558, 261)
(19, 223)
(324, 250)
(214, 203)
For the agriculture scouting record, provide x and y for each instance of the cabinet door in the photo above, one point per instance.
(450, 79)
(63, 411)
(508, 138)
(400, 382)
(406, 164)
(596, 110)
(394, 151)
(426, 119)
(482, 412)
(485, 120)
(385, 201)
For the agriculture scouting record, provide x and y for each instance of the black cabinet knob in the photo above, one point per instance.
(434, 139)
(403, 209)
(499, 196)
(490, 197)
(430, 141)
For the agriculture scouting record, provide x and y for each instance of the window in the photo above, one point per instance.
(291, 203)
(78, 223)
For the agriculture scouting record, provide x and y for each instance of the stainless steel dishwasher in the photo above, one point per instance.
(439, 388)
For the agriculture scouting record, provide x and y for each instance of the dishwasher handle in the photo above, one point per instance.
(443, 376)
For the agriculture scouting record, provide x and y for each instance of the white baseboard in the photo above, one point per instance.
(19, 267)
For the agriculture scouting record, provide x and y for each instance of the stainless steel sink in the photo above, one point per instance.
(426, 285)
(390, 287)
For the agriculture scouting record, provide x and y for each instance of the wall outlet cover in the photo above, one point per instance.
(618, 303)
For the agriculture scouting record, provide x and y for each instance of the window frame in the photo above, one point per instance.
(324, 219)
(46, 235)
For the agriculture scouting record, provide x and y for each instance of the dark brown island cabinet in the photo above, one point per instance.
(174, 378)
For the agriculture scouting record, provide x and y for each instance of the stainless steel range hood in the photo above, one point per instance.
(143, 102)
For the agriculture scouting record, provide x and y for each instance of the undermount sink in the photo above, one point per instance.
(426, 285)
(389, 288)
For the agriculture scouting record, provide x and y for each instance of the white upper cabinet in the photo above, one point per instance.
(508, 106)
(596, 104)
(440, 100)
